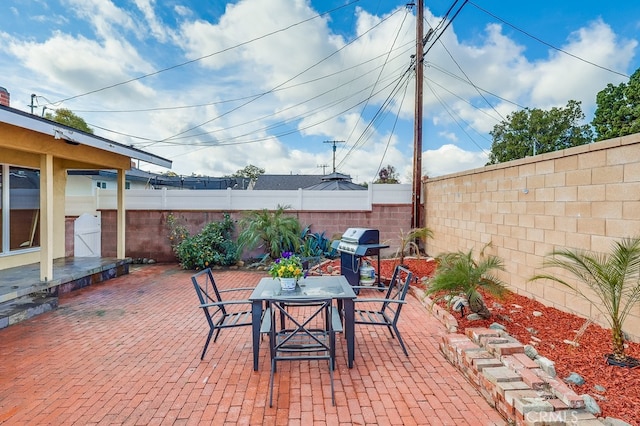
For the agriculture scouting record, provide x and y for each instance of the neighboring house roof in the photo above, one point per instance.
(333, 181)
(38, 124)
(25, 179)
(286, 182)
(336, 182)
(158, 181)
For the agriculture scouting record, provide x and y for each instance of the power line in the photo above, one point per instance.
(381, 70)
(284, 82)
(548, 44)
(209, 55)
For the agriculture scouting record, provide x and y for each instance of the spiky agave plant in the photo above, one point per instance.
(459, 273)
(613, 277)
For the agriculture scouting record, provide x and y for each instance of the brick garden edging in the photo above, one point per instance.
(511, 382)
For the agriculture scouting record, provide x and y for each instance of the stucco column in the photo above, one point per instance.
(46, 217)
(121, 215)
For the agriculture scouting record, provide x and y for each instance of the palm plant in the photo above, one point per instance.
(614, 278)
(277, 231)
(458, 273)
(408, 242)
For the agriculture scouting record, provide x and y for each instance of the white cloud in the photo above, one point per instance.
(107, 19)
(157, 28)
(293, 76)
(80, 64)
(450, 159)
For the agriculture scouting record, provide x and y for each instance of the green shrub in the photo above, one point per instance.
(177, 231)
(212, 246)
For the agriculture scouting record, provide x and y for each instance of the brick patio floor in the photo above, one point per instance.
(127, 351)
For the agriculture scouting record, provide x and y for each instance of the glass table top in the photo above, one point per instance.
(333, 286)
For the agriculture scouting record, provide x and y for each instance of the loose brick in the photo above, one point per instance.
(480, 364)
(471, 355)
(503, 387)
(525, 360)
(476, 333)
(544, 418)
(511, 362)
(565, 394)
(462, 347)
(558, 405)
(451, 339)
(492, 340)
(510, 396)
(583, 417)
(531, 377)
(500, 374)
(527, 404)
(508, 348)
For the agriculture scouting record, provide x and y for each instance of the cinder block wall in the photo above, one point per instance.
(147, 231)
(584, 198)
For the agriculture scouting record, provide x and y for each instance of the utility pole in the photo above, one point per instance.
(324, 167)
(417, 128)
(334, 152)
(33, 96)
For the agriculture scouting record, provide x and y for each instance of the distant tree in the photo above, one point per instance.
(618, 109)
(535, 131)
(68, 118)
(250, 172)
(387, 175)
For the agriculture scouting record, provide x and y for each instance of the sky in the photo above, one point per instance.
(301, 86)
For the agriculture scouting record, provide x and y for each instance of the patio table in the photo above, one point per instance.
(334, 286)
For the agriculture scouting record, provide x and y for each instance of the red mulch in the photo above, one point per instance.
(621, 398)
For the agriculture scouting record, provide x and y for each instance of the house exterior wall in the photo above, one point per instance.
(80, 185)
(585, 197)
(147, 231)
(25, 159)
(23, 147)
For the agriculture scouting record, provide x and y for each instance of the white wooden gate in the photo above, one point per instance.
(86, 236)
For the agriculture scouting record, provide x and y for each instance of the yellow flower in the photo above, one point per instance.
(288, 266)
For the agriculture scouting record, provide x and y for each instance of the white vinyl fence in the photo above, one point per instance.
(238, 200)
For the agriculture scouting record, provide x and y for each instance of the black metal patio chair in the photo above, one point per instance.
(385, 311)
(309, 334)
(219, 311)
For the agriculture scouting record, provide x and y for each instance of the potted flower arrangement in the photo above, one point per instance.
(287, 268)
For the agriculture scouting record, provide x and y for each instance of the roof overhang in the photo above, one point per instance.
(34, 123)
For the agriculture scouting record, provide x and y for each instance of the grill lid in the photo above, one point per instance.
(359, 242)
(361, 236)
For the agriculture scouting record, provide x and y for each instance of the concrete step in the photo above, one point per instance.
(25, 307)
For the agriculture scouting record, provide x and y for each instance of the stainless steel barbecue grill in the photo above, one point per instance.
(354, 244)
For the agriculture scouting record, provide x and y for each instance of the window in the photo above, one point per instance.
(19, 208)
(101, 185)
